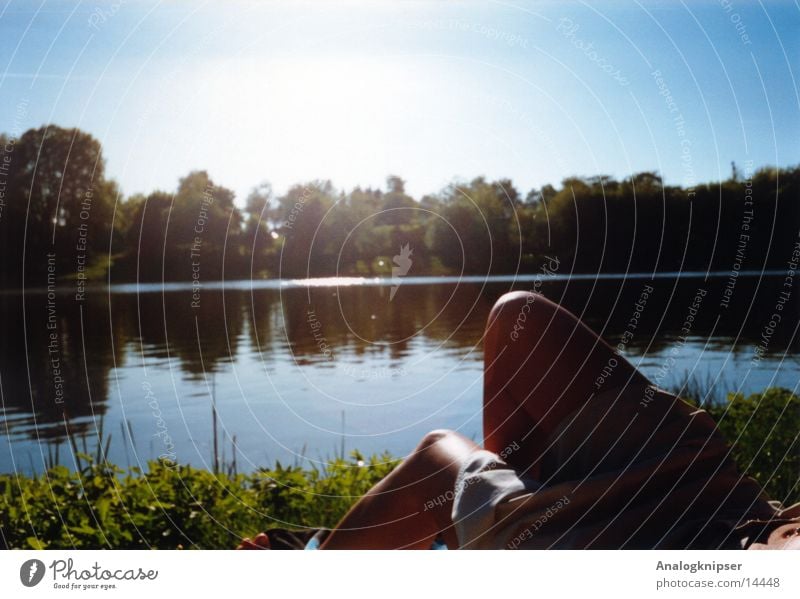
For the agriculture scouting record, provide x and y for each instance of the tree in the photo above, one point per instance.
(300, 213)
(479, 218)
(145, 237)
(257, 237)
(397, 207)
(57, 201)
(258, 201)
(203, 224)
(395, 184)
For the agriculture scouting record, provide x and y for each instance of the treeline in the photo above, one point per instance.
(61, 217)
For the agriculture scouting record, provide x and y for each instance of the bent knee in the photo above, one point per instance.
(435, 436)
(516, 309)
(445, 441)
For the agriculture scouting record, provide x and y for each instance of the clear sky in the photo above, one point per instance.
(352, 91)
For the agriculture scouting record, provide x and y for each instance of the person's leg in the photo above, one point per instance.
(411, 506)
(260, 541)
(541, 364)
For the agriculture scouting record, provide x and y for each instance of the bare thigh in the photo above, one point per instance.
(541, 364)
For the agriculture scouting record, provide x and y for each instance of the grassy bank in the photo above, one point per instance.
(168, 507)
(103, 506)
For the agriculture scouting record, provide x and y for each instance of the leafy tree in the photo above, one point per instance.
(57, 197)
(299, 214)
(480, 218)
(398, 208)
(145, 238)
(257, 238)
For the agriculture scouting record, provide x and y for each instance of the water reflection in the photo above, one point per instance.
(292, 348)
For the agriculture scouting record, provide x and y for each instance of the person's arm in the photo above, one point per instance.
(412, 506)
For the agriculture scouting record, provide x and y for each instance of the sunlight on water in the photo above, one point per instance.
(328, 282)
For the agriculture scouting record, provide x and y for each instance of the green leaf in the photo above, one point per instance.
(83, 529)
(35, 543)
(102, 506)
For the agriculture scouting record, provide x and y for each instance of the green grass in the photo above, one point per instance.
(764, 430)
(172, 506)
(168, 507)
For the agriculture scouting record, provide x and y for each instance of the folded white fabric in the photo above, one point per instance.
(485, 481)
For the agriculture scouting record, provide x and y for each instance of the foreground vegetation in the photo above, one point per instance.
(171, 507)
(168, 507)
(764, 430)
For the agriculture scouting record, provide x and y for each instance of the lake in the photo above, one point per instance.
(303, 370)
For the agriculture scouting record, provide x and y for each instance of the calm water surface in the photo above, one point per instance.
(300, 371)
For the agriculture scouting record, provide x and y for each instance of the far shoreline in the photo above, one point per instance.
(354, 281)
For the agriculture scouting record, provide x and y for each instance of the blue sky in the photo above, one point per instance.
(432, 91)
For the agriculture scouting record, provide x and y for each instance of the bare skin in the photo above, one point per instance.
(398, 512)
(533, 379)
(541, 364)
(783, 537)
